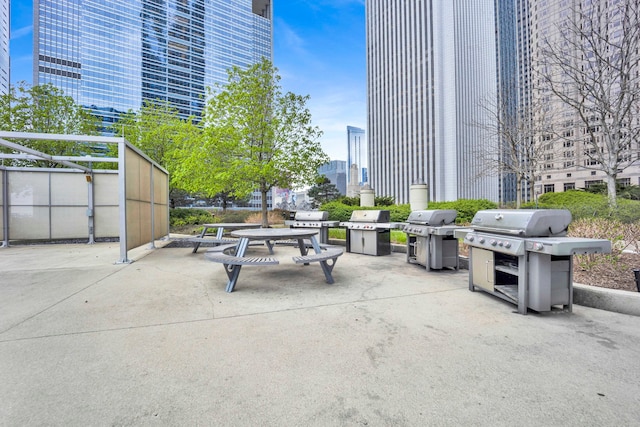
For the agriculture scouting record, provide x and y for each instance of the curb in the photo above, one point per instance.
(624, 302)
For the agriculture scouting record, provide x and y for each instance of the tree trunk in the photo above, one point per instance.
(611, 191)
(518, 191)
(265, 217)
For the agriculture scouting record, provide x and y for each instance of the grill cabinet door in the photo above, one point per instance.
(482, 266)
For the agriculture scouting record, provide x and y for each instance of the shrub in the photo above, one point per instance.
(466, 208)
(185, 216)
(582, 204)
(622, 236)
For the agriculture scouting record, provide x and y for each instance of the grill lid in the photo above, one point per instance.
(311, 216)
(523, 222)
(433, 217)
(369, 216)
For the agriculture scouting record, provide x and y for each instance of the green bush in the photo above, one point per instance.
(466, 208)
(188, 216)
(583, 204)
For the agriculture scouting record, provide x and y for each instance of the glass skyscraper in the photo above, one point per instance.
(113, 55)
(4, 46)
(357, 154)
(430, 63)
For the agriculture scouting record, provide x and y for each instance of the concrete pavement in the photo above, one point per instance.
(159, 342)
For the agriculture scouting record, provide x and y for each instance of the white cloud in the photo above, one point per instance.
(21, 32)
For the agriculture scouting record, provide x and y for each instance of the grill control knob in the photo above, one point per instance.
(493, 242)
(500, 243)
(470, 238)
(537, 246)
(507, 244)
(481, 240)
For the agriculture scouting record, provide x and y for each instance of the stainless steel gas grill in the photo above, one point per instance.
(430, 240)
(368, 232)
(523, 256)
(313, 219)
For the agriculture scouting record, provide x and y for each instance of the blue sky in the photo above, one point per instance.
(319, 49)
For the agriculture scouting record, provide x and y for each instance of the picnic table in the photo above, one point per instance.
(233, 263)
(218, 238)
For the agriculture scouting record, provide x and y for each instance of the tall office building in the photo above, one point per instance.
(357, 154)
(5, 19)
(336, 171)
(567, 162)
(113, 55)
(430, 65)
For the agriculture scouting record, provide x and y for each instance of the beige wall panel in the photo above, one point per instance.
(105, 189)
(69, 189)
(132, 174)
(145, 181)
(160, 187)
(69, 223)
(29, 222)
(106, 221)
(28, 188)
(133, 224)
(145, 222)
(160, 224)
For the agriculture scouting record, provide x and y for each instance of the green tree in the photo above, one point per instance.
(323, 192)
(45, 109)
(256, 137)
(159, 132)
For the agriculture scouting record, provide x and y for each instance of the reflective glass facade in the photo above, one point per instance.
(112, 55)
(4, 46)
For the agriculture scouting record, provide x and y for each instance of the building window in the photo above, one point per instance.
(569, 186)
(593, 172)
(549, 188)
(624, 182)
(568, 175)
(589, 184)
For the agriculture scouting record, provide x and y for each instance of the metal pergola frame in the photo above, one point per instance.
(20, 152)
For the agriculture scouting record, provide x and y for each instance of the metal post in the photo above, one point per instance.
(90, 208)
(5, 209)
(152, 244)
(122, 201)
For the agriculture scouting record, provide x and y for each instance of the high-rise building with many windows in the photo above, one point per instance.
(113, 55)
(430, 65)
(600, 38)
(4, 45)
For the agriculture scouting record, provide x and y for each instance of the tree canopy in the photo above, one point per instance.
(255, 137)
(45, 109)
(323, 191)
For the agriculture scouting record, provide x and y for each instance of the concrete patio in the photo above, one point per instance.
(159, 342)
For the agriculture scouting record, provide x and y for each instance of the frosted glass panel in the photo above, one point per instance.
(106, 222)
(69, 223)
(69, 189)
(160, 221)
(29, 222)
(160, 194)
(145, 181)
(132, 175)
(145, 222)
(28, 188)
(133, 224)
(105, 189)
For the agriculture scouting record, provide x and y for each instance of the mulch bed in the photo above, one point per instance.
(607, 271)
